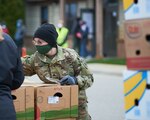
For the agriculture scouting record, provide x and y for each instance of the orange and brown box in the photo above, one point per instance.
(137, 44)
(24, 102)
(56, 102)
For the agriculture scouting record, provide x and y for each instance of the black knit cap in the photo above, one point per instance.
(48, 33)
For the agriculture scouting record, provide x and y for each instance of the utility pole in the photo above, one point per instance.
(99, 28)
(62, 10)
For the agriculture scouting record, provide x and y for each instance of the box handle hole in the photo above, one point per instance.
(136, 1)
(58, 94)
(138, 52)
(148, 86)
(136, 102)
(14, 97)
(148, 38)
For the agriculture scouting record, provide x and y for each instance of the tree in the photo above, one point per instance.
(10, 11)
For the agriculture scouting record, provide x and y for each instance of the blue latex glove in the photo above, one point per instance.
(68, 80)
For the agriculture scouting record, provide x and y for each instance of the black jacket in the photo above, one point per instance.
(11, 76)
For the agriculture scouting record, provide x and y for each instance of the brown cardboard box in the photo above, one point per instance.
(56, 102)
(24, 102)
(67, 119)
(137, 44)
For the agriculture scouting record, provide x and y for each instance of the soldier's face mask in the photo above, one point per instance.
(43, 49)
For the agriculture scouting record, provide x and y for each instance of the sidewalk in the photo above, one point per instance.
(106, 96)
(107, 68)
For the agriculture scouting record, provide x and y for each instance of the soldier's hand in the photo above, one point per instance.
(26, 68)
(68, 80)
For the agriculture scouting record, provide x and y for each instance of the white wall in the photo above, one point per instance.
(90, 4)
(53, 11)
(81, 5)
(32, 19)
(33, 14)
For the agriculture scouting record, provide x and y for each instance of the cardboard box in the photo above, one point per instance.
(56, 102)
(24, 102)
(66, 119)
(137, 44)
(136, 9)
(137, 95)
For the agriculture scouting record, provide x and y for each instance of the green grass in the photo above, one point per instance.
(118, 61)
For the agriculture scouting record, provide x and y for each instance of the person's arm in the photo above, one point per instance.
(82, 76)
(28, 67)
(18, 75)
(82, 73)
(64, 41)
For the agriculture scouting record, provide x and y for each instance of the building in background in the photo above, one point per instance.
(100, 15)
(120, 39)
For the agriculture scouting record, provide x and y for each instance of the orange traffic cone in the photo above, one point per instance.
(24, 52)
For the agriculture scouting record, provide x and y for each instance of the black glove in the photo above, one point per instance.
(68, 80)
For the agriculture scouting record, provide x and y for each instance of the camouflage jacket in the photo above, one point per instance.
(65, 62)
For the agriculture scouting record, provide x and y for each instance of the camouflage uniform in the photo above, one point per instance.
(66, 62)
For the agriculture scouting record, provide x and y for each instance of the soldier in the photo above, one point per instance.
(54, 64)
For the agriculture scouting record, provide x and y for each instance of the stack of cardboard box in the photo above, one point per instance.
(24, 102)
(46, 102)
(137, 45)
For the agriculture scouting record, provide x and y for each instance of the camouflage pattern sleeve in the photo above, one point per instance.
(84, 76)
(28, 67)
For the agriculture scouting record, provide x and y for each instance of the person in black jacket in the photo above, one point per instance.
(19, 35)
(76, 32)
(11, 75)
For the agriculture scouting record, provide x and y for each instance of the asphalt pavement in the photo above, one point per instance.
(106, 101)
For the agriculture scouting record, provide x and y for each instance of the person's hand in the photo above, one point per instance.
(68, 80)
(26, 68)
(78, 35)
